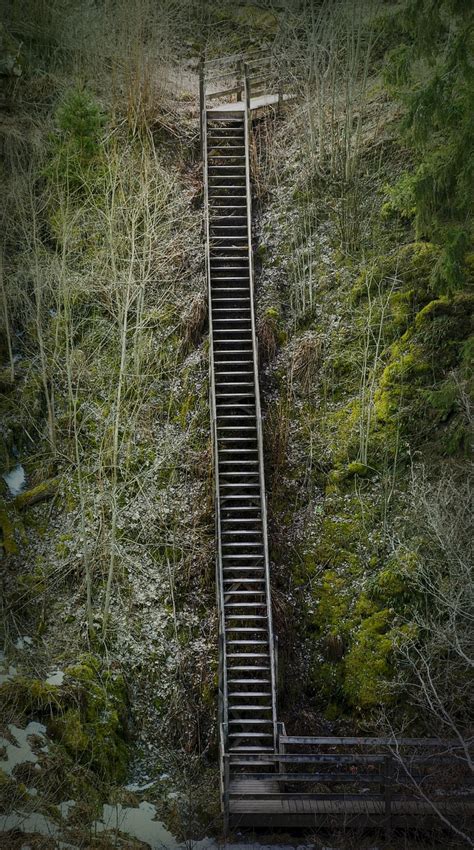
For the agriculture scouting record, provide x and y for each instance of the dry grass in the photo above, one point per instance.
(306, 360)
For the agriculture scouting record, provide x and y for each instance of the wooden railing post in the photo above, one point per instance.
(225, 799)
(388, 771)
(240, 81)
(201, 103)
(247, 87)
(275, 655)
(281, 746)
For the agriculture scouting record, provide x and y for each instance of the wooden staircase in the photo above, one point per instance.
(247, 681)
(248, 690)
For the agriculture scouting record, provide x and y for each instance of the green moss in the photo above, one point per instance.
(333, 602)
(412, 392)
(22, 697)
(70, 731)
(358, 468)
(410, 266)
(63, 545)
(367, 665)
(45, 490)
(337, 542)
(341, 432)
(343, 532)
(7, 526)
(402, 309)
(399, 379)
(86, 715)
(347, 474)
(85, 670)
(393, 583)
(97, 732)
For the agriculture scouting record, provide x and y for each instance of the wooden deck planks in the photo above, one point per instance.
(255, 103)
(345, 807)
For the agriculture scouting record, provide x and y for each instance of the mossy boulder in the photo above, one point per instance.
(443, 324)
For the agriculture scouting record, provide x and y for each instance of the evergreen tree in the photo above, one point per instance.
(432, 71)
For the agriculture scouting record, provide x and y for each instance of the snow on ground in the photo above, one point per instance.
(15, 479)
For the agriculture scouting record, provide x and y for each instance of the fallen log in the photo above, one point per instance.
(40, 493)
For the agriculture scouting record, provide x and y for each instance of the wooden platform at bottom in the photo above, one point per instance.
(361, 813)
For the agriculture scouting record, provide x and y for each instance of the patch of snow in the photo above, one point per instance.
(139, 823)
(21, 751)
(56, 677)
(23, 642)
(34, 822)
(136, 786)
(64, 807)
(15, 479)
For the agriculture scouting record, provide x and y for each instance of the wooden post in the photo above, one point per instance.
(201, 103)
(388, 795)
(275, 655)
(226, 793)
(247, 88)
(240, 70)
(281, 746)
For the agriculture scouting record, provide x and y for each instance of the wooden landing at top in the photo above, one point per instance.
(255, 103)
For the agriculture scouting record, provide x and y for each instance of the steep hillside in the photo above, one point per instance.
(366, 330)
(363, 249)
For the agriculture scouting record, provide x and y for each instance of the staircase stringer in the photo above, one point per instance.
(223, 700)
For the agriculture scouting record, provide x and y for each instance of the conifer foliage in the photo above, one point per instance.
(432, 72)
